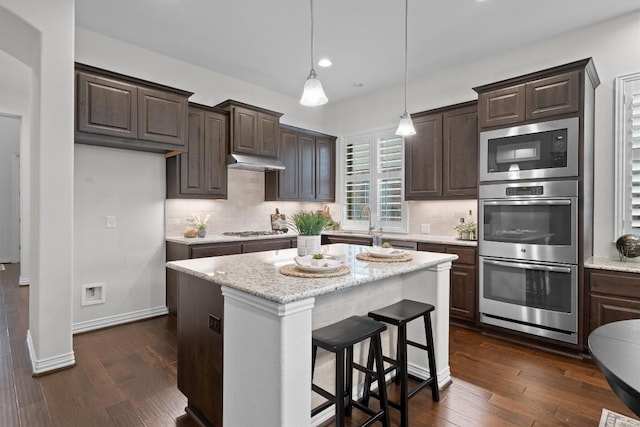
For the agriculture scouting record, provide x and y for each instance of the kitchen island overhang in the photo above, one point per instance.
(268, 319)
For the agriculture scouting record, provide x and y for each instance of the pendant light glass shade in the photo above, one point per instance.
(313, 94)
(405, 127)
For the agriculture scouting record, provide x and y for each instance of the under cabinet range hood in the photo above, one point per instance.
(253, 163)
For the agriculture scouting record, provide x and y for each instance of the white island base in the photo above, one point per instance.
(267, 346)
(264, 333)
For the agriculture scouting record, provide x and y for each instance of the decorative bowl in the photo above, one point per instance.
(628, 246)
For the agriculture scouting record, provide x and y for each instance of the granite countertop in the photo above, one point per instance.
(631, 265)
(221, 238)
(423, 238)
(258, 273)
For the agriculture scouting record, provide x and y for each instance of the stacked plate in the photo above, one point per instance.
(309, 265)
(380, 252)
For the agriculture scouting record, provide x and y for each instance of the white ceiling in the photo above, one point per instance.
(267, 42)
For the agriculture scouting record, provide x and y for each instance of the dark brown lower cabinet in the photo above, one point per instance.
(463, 282)
(200, 347)
(613, 296)
(179, 251)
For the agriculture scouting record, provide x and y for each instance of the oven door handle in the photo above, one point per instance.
(524, 266)
(526, 202)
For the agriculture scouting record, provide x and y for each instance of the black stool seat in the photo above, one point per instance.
(346, 333)
(339, 338)
(399, 314)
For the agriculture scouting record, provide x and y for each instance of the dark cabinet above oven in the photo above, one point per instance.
(552, 93)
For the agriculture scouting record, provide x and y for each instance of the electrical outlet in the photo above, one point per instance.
(110, 221)
(425, 228)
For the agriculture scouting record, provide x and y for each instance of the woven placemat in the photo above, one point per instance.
(363, 256)
(292, 270)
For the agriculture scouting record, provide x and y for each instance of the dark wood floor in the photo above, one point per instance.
(126, 376)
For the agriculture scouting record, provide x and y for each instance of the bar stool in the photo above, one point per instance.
(339, 338)
(399, 314)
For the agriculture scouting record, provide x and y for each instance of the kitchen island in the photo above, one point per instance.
(239, 312)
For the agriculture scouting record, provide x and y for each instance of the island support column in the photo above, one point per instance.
(267, 361)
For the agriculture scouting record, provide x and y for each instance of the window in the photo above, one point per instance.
(627, 139)
(373, 177)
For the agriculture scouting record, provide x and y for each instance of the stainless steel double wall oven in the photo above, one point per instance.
(528, 229)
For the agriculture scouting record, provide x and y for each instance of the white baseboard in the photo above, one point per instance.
(50, 363)
(118, 319)
(24, 281)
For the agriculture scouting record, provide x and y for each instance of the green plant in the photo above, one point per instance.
(202, 226)
(466, 227)
(309, 223)
(318, 256)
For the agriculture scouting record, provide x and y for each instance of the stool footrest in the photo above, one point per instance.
(418, 345)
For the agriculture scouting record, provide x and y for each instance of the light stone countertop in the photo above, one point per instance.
(631, 265)
(423, 238)
(221, 238)
(258, 273)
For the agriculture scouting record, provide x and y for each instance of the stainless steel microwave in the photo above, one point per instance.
(539, 150)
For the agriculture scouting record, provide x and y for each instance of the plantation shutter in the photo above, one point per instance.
(634, 141)
(357, 177)
(390, 175)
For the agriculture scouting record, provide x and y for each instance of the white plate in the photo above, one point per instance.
(327, 265)
(384, 252)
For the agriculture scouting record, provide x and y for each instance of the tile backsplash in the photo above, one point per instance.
(245, 209)
(441, 215)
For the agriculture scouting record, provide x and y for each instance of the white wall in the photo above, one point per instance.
(9, 183)
(615, 48)
(40, 33)
(129, 259)
(14, 101)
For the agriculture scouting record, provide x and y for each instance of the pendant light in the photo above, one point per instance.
(313, 94)
(405, 127)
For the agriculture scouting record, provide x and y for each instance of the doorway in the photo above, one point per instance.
(9, 189)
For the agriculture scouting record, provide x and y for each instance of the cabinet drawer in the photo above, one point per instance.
(202, 251)
(614, 283)
(432, 247)
(465, 255)
(265, 245)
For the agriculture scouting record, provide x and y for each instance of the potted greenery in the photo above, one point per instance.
(466, 230)
(309, 225)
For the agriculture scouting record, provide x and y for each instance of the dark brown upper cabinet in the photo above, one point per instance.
(552, 93)
(201, 172)
(309, 158)
(253, 130)
(441, 158)
(115, 110)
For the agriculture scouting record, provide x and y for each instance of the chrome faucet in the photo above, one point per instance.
(368, 209)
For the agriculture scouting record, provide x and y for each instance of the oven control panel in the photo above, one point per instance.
(525, 191)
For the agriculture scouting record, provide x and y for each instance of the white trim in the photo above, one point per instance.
(271, 307)
(118, 319)
(24, 281)
(620, 150)
(50, 363)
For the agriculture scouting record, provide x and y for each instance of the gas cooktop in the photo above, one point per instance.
(252, 233)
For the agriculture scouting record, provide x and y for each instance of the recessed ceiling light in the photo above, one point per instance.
(324, 62)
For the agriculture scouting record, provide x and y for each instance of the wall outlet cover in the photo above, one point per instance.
(425, 228)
